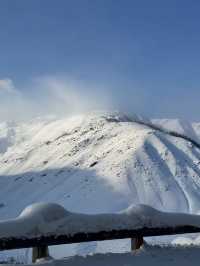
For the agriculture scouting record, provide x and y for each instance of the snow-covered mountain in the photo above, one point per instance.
(100, 162)
(97, 163)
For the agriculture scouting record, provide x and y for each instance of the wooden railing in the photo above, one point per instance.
(40, 244)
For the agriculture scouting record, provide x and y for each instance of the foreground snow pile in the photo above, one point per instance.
(45, 219)
(151, 256)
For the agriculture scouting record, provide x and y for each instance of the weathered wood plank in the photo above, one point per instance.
(136, 243)
(40, 252)
(17, 243)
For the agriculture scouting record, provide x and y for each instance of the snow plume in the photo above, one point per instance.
(49, 96)
(12, 103)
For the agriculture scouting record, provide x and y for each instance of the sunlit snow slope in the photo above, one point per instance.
(98, 163)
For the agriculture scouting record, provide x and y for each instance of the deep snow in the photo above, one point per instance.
(46, 219)
(149, 255)
(97, 163)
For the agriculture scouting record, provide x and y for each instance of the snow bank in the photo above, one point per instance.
(52, 219)
(149, 255)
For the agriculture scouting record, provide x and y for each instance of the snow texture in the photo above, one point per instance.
(99, 162)
(149, 255)
(43, 219)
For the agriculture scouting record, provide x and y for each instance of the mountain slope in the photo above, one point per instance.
(101, 162)
(96, 163)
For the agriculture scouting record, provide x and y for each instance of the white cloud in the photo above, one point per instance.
(49, 95)
(7, 85)
(65, 95)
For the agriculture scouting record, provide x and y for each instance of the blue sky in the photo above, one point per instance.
(143, 56)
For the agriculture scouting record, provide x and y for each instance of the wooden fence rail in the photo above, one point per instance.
(40, 244)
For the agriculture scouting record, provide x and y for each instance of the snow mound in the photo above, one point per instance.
(148, 255)
(151, 256)
(51, 219)
(48, 211)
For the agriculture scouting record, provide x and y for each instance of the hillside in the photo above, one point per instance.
(100, 162)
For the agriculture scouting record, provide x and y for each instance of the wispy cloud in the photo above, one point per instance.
(6, 85)
(49, 95)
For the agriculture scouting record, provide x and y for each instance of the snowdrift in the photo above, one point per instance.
(151, 256)
(47, 219)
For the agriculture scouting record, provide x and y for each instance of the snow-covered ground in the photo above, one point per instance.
(149, 255)
(100, 162)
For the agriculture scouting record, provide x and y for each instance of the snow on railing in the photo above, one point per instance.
(44, 224)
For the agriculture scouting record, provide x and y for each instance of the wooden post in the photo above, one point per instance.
(136, 243)
(40, 252)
